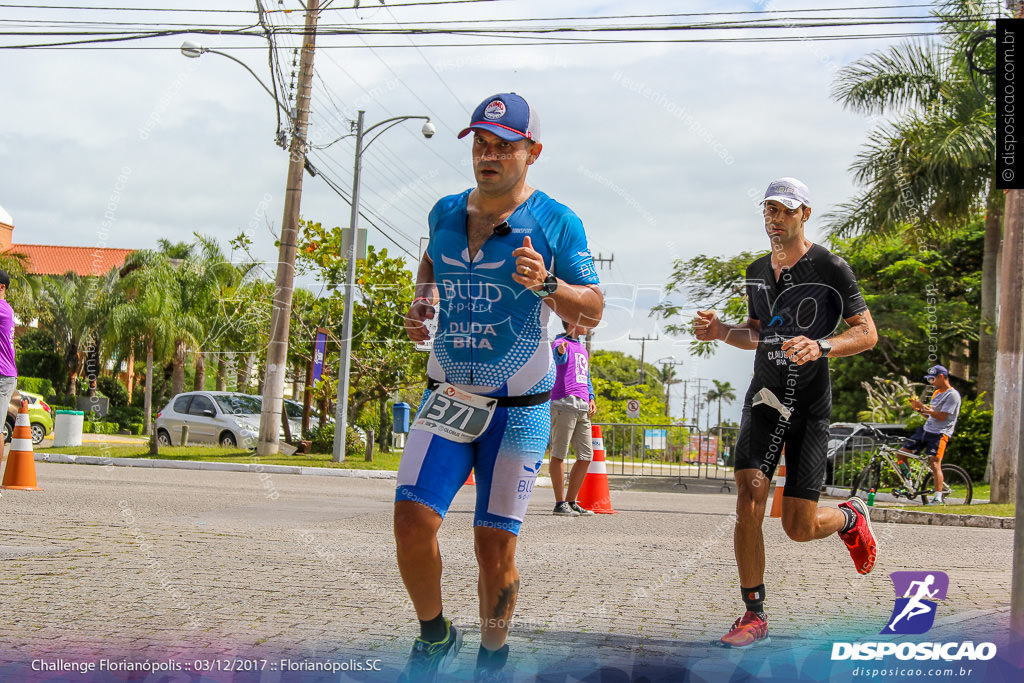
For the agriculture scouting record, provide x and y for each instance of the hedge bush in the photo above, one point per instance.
(323, 440)
(112, 388)
(100, 427)
(36, 385)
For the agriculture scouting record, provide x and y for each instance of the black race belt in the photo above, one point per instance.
(507, 401)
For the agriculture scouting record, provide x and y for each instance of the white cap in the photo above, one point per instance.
(788, 191)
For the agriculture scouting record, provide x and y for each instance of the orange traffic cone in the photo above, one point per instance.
(594, 494)
(470, 481)
(780, 484)
(21, 463)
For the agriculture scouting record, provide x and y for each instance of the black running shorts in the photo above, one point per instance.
(765, 435)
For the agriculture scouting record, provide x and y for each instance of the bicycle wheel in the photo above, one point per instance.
(866, 480)
(957, 487)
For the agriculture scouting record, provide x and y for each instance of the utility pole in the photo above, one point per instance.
(697, 403)
(280, 318)
(643, 343)
(600, 260)
(1007, 412)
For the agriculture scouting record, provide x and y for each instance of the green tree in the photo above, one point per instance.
(69, 309)
(148, 311)
(194, 282)
(614, 376)
(713, 283)
(932, 164)
(924, 302)
(24, 293)
(722, 391)
(383, 359)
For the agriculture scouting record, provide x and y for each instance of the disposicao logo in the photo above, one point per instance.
(913, 614)
(916, 593)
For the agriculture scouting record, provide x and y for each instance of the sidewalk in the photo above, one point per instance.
(179, 565)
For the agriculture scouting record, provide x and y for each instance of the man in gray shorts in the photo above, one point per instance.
(572, 406)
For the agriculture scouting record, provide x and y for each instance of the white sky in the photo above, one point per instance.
(659, 148)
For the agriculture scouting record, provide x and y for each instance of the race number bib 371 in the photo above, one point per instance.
(455, 415)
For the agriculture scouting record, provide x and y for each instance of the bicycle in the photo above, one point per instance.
(957, 487)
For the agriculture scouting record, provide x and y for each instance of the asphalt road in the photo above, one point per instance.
(134, 564)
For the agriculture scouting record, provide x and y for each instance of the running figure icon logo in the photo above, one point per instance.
(916, 593)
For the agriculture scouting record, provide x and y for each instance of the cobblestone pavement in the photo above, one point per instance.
(186, 565)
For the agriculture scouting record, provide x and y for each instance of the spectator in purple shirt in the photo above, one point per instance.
(8, 370)
(572, 406)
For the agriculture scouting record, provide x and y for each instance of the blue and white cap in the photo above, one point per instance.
(936, 370)
(508, 116)
(788, 191)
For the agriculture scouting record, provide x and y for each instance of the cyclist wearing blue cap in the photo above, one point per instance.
(501, 257)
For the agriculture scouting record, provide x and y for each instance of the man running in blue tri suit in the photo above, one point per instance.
(501, 258)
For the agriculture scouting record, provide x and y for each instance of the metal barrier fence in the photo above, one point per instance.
(660, 450)
(689, 452)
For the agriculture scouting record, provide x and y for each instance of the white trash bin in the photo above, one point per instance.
(67, 428)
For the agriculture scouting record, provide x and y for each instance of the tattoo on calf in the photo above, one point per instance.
(506, 600)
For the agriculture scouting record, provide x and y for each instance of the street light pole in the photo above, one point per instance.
(280, 319)
(341, 409)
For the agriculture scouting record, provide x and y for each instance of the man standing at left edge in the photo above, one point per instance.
(502, 257)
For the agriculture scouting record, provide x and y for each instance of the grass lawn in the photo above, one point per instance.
(992, 509)
(381, 461)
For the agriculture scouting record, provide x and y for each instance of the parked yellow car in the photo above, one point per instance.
(40, 416)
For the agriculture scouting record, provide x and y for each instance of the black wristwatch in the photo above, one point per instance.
(825, 347)
(549, 286)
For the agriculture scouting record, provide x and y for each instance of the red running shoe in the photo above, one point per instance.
(860, 539)
(746, 631)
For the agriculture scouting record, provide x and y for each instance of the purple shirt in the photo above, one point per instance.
(572, 370)
(7, 366)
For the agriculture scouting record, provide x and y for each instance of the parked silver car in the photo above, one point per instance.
(218, 417)
(235, 418)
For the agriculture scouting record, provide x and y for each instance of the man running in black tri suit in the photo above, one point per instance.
(796, 297)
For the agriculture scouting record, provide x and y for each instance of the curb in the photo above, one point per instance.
(61, 458)
(939, 519)
(898, 516)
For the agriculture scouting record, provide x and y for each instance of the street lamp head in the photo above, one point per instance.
(428, 129)
(192, 49)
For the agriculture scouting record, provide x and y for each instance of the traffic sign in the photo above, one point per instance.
(632, 408)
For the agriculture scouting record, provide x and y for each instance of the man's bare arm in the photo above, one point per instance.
(577, 304)
(861, 336)
(708, 327)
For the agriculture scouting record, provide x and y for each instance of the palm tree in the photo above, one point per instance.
(723, 391)
(69, 306)
(932, 165)
(148, 312)
(190, 284)
(231, 277)
(24, 293)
